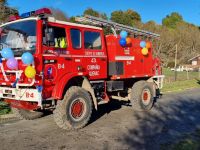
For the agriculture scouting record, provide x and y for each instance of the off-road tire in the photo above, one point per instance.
(137, 101)
(26, 114)
(62, 114)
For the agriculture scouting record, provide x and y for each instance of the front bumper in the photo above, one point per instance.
(159, 79)
(25, 94)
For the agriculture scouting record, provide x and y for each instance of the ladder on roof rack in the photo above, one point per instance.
(115, 26)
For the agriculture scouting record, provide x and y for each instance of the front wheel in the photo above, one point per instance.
(75, 110)
(142, 95)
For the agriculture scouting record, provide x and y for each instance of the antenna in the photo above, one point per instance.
(115, 26)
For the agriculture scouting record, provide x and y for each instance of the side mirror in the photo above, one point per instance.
(49, 36)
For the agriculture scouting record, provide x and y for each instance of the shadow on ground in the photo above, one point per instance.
(167, 123)
(106, 109)
(198, 81)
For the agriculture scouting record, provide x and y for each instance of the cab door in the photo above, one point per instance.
(95, 54)
(76, 51)
(55, 64)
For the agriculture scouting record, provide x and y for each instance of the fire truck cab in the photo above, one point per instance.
(77, 68)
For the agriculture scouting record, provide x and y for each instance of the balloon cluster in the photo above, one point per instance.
(8, 54)
(27, 59)
(145, 47)
(12, 63)
(124, 40)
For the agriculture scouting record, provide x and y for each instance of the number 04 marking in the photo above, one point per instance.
(61, 66)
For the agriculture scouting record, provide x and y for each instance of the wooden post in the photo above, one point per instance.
(175, 63)
(187, 74)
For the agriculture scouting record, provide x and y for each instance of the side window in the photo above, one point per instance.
(76, 38)
(60, 40)
(92, 40)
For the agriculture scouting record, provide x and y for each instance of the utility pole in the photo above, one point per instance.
(175, 63)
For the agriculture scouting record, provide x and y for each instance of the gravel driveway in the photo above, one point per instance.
(115, 126)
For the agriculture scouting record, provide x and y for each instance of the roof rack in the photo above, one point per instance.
(115, 26)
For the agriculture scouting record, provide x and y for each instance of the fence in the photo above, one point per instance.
(180, 75)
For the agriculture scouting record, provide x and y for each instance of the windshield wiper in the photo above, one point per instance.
(17, 49)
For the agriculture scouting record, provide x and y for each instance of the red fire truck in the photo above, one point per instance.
(77, 67)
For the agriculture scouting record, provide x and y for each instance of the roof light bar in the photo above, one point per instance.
(43, 11)
(37, 13)
(13, 18)
(28, 14)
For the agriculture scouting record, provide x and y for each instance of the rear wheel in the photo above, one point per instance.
(142, 95)
(75, 110)
(27, 114)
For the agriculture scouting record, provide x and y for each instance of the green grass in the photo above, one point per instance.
(182, 82)
(4, 108)
(169, 75)
(190, 141)
(186, 144)
(180, 85)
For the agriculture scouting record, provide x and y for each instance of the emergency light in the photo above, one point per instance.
(27, 14)
(36, 13)
(31, 13)
(43, 11)
(13, 18)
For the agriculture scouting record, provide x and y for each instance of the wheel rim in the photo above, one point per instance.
(146, 97)
(77, 109)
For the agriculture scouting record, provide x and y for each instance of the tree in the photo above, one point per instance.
(72, 19)
(117, 16)
(172, 20)
(95, 13)
(6, 11)
(59, 14)
(132, 15)
(151, 26)
(91, 12)
(129, 17)
(3, 2)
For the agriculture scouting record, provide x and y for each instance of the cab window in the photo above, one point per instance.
(76, 38)
(60, 40)
(92, 40)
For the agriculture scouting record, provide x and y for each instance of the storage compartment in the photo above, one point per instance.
(116, 68)
(115, 86)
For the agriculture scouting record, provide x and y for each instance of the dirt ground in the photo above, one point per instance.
(115, 126)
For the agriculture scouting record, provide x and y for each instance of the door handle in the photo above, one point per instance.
(68, 58)
(103, 59)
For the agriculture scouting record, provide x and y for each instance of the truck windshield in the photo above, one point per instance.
(20, 37)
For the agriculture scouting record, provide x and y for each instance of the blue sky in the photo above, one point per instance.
(148, 9)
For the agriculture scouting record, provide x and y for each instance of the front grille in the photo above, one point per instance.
(8, 91)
